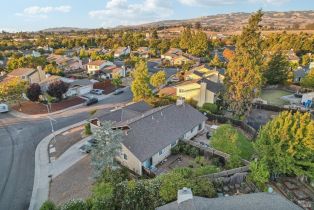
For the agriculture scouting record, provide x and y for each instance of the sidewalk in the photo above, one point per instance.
(43, 168)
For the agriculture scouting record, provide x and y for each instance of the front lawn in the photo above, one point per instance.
(229, 140)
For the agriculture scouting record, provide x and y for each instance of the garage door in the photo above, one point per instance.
(84, 90)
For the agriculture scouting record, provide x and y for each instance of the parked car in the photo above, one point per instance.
(118, 92)
(91, 142)
(97, 91)
(4, 108)
(85, 148)
(91, 101)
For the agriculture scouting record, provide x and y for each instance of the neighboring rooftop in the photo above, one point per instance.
(21, 72)
(212, 86)
(97, 62)
(254, 201)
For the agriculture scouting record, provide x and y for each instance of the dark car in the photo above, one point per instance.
(118, 91)
(91, 101)
(91, 142)
(208, 135)
(85, 148)
(97, 91)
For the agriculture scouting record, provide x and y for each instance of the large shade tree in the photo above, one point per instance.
(277, 69)
(286, 144)
(243, 78)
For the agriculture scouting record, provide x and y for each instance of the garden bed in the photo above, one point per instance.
(33, 108)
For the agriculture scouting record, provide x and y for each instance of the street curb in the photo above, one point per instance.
(40, 191)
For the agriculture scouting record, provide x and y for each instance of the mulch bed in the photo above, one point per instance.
(105, 85)
(33, 108)
(74, 183)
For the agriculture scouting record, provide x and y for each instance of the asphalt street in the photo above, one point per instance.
(18, 140)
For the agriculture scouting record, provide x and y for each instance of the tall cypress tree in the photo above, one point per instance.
(244, 77)
(140, 85)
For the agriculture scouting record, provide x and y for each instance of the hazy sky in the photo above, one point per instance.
(30, 15)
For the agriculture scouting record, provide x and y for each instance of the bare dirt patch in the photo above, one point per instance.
(74, 183)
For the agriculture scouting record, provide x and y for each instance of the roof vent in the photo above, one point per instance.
(184, 195)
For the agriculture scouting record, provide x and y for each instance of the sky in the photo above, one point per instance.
(33, 15)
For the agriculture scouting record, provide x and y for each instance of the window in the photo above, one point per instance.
(200, 127)
(125, 156)
(160, 152)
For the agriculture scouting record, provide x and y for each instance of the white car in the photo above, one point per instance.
(4, 108)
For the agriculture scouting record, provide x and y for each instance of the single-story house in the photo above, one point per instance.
(122, 51)
(96, 66)
(142, 52)
(79, 87)
(110, 71)
(30, 75)
(256, 201)
(149, 134)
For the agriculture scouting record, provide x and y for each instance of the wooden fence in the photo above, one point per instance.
(214, 151)
(222, 119)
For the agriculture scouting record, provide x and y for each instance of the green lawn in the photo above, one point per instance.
(228, 139)
(273, 97)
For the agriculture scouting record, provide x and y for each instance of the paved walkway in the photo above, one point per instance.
(43, 168)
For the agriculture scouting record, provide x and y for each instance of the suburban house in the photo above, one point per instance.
(202, 91)
(256, 201)
(149, 134)
(67, 64)
(142, 52)
(110, 71)
(30, 75)
(44, 84)
(176, 57)
(79, 87)
(97, 66)
(292, 57)
(204, 71)
(122, 51)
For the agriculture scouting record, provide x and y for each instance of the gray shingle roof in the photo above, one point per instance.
(212, 86)
(152, 131)
(126, 112)
(254, 201)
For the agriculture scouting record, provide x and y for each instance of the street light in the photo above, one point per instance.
(51, 123)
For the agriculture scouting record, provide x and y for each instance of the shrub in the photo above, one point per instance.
(209, 107)
(175, 150)
(200, 160)
(194, 152)
(48, 205)
(204, 170)
(33, 92)
(57, 89)
(74, 205)
(87, 129)
(203, 188)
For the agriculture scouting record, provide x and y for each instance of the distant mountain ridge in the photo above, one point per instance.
(227, 22)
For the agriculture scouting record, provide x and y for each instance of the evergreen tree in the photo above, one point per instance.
(186, 39)
(277, 69)
(140, 85)
(216, 61)
(286, 144)
(199, 44)
(243, 78)
(107, 147)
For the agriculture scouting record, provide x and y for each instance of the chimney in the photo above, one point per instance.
(180, 101)
(184, 195)
(203, 89)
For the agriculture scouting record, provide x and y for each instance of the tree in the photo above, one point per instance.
(116, 80)
(48, 205)
(308, 80)
(140, 85)
(228, 54)
(57, 89)
(306, 59)
(185, 39)
(289, 138)
(12, 90)
(83, 53)
(198, 44)
(243, 77)
(158, 79)
(33, 92)
(107, 148)
(53, 69)
(277, 69)
(216, 61)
